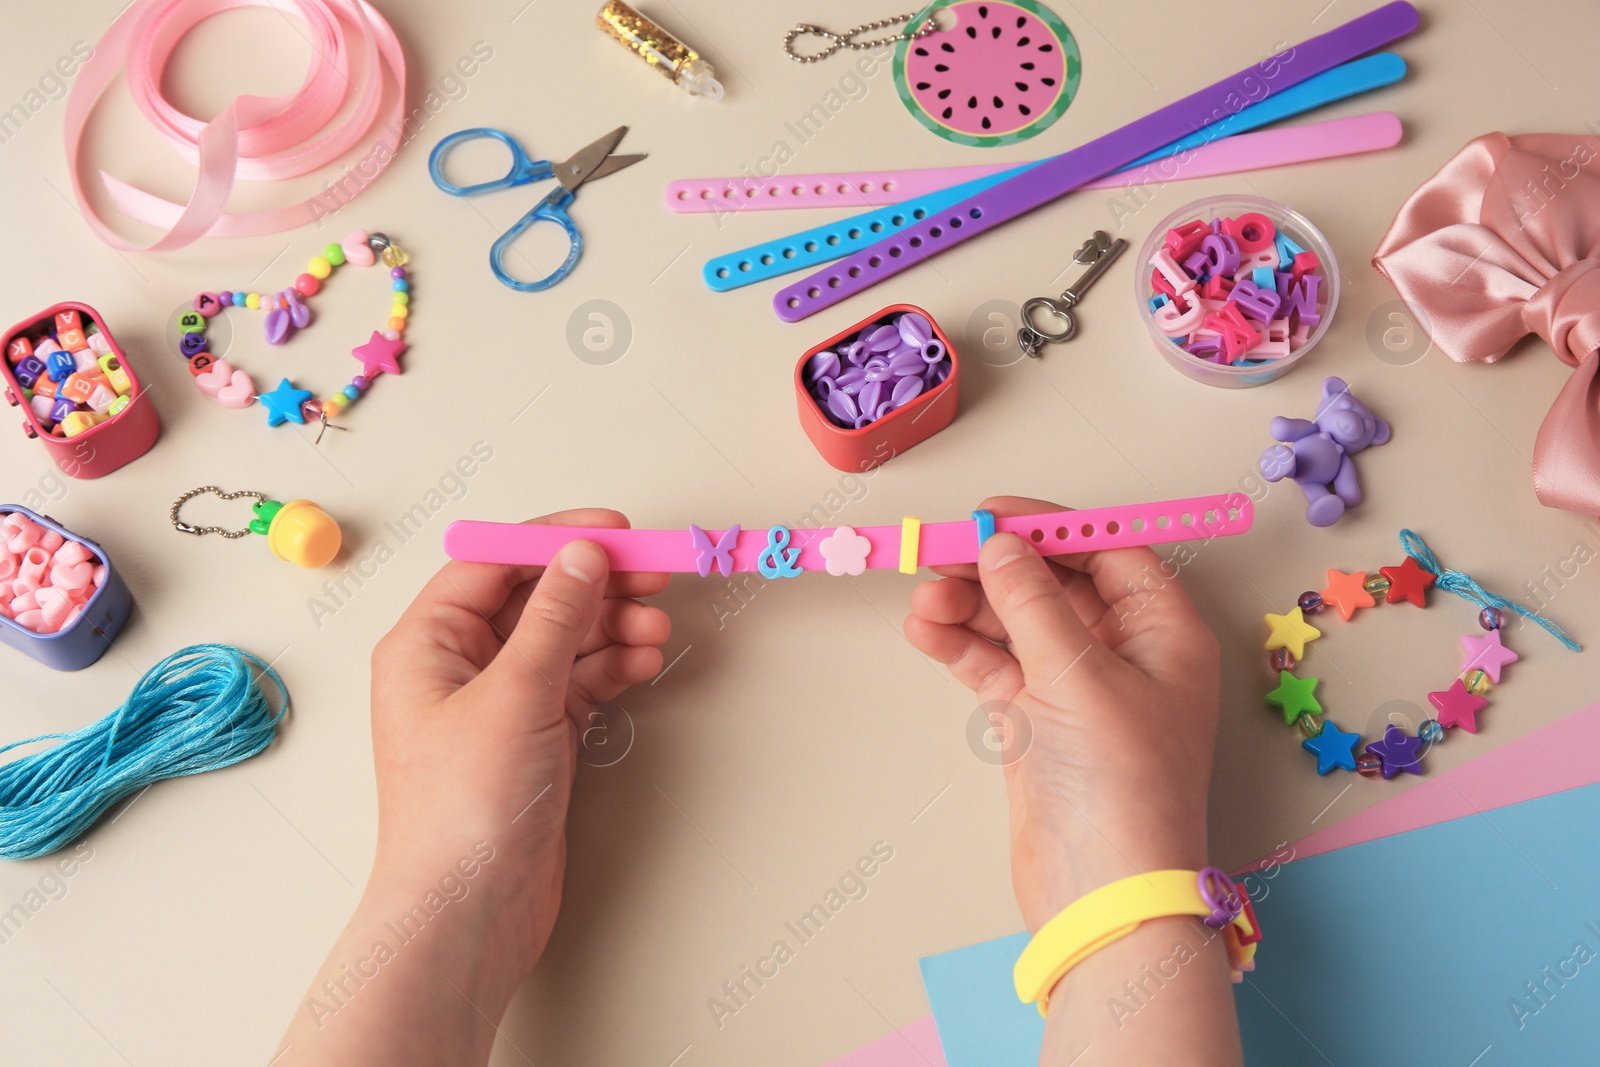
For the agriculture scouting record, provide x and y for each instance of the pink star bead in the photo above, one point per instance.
(379, 355)
(1489, 653)
(845, 551)
(1457, 707)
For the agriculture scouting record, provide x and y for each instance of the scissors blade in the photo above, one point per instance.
(613, 164)
(580, 167)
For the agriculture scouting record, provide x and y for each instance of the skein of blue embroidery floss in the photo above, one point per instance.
(200, 709)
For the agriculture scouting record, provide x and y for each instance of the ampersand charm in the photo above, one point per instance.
(777, 560)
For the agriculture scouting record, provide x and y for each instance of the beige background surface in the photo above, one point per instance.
(786, 741)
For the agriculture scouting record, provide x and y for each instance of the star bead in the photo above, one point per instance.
(1489, 653)
(379, 355)
(1409, 581)
(1397, 752)
(1291, 631)
(283, 403)
(1457, 707)
(1345, 592)
(1333, 748)
(1295, 696)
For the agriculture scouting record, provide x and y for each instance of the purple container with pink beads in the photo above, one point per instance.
(95, 611)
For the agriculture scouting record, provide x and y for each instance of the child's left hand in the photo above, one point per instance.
(477, 694)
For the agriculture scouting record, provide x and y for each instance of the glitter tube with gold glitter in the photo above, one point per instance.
(679, 63)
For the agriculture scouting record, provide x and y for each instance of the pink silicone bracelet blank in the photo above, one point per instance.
(942, 543)
(883, 188)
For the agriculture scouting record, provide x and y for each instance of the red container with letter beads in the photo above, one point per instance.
(868, 393)
(77, 391)
(1236, 290)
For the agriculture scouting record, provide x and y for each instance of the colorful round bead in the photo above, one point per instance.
(360, 382)
(400, 285)
(226, 297)
(1310, 725)
(239, 298)
(397, 273)
(1282, 659)
(334, 254)
(1376, 585)
(1491, 618)
(307, 285)
(319, 267)
(252, 301)
(1476, 682)
(1431, 731)
(402, 299)
(1369, 765)
(350, 392)
(1310, 602)
(397, 324)
(399, 311)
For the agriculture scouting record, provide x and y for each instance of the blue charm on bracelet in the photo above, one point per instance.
(777, 560)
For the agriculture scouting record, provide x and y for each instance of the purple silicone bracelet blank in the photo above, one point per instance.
(1064, 173)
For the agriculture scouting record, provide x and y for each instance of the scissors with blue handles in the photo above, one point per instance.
(592, 161)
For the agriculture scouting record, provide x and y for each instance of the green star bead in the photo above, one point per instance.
(1295, 696)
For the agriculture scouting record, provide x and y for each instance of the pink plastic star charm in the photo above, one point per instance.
(379, 355)
(1457, 707)
(1489, 653)
(845, 551)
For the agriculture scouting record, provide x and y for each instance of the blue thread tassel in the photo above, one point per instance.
(199, 709)
(1463, 585)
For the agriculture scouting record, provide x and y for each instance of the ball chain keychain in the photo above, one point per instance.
(299, 531)
(848, 38)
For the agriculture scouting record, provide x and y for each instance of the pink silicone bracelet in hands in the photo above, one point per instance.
(933, 544)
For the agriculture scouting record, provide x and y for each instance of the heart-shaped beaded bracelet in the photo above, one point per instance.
(1457, 705)
(287, 312)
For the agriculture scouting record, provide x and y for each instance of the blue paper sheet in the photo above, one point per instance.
(1476, 941)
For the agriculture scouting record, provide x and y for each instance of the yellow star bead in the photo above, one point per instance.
(1290, 631)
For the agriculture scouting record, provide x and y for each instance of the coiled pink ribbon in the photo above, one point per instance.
(255, 138)
(1505, 242)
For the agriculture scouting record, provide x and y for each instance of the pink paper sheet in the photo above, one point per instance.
(1564, 755)
(915, 1046)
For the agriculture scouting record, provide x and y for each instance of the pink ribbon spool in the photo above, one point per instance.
(254, 138)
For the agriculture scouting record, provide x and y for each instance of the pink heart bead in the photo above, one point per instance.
(72, 577)
(356, 250)
(240, 392)
(211, 380)
(25, 533)
(99, 575)
(32, 619)
(72, 552)
(54, 606)
(50, 541)
(72, 616)
(24, 601)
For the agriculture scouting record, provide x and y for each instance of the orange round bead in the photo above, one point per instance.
(398, 325)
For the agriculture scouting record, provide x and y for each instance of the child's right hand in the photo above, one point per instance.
(1104, 658)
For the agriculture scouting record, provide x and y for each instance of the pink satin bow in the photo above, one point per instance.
(1505, 241)
(354, 52)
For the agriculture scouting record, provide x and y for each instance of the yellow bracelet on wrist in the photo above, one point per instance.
(1114, 911)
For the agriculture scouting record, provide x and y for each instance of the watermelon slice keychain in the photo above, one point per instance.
(997, 72)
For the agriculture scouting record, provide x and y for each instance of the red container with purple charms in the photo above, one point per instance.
(870, 392)
(77, 391)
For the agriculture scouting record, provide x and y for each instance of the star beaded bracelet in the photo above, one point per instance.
(1458, 705)
(286, 312)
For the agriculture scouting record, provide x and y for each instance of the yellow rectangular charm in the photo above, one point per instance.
(910, 540)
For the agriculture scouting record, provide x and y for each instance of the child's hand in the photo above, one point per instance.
(477, 694)
(1103, 657)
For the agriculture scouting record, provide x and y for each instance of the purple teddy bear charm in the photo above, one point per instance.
(1317, 453)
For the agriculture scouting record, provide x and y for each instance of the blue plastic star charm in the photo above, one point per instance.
(1333, 748)
(283, 403)
(1397, 751)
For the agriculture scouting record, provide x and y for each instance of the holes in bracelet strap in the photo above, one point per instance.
(1162, 522)
(1233, 514)
(1210, 518)
(854, 233)
(866, 187)
(683, 194)
(723, 272)
(1062, 533)
(919, 214)
(1113, 528)
(875, 262)
(915, 242)
(875, 227)
(895, 251)
(1137, 525)
(794, 301)
(810, 246)
(766, 260)
(1088, 529)
(745, 264)
(1186, 519)
(788, 253)
(833, 239)
(1036, 536)
(855, 272)
(833, 282)
(813, 292)
(889, 186)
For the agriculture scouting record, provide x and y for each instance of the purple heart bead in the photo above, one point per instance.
(907, 360)
(906, 390)
(851, 379)
(277, 326)
(843, 407)
(883, 339)
(872, 394)
(824, 364)
(914, 329)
